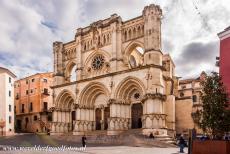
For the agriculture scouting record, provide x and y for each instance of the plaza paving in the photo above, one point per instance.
(30, 140)
(107, 150)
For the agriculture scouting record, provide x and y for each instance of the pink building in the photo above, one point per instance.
(224, 62)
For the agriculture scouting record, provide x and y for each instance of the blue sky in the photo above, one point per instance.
(29, 27)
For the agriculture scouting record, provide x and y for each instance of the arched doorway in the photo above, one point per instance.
(106, 116)
(95, 96)
(98, 118)
(66, 112)
(73, 117)
(136, 114)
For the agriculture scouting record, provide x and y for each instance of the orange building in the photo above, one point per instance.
(33, 98)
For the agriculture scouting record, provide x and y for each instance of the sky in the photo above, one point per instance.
(29, 27)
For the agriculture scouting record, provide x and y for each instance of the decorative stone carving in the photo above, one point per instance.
(154, 96)
(119, 101)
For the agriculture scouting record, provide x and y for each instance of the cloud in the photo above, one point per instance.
(195, 57)
(28, 28)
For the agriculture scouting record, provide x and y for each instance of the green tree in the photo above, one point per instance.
(214, 118)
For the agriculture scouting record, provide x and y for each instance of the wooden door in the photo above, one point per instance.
(73, 117)
(137, 112)
(106, 116)
(98, 119)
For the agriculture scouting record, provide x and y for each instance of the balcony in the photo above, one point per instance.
(45, 92)
(17, 97)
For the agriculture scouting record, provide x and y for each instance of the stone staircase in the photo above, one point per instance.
(131, 137)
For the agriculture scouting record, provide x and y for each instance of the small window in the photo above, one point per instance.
(183, 86)
(10, 119)
(31, 91)
(35, 118)
(23, 108)
(27, 81)
(45, 91)
(31, 107)
(9, 93)
(9, 79)
(32, 80)
(10, 108)
(45, 106)
(194, 98)
(27, 92)
(27, 119)
(181, 94)
(45, 80)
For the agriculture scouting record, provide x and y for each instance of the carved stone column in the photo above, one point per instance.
(153, 118)
(118, 121)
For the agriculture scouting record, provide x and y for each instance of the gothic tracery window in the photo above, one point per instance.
(98, 62)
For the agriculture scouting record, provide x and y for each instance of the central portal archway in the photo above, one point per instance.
(136, 114)
(95, 96)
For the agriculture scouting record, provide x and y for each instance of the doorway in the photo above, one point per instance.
(73, 117)
(98, 119)
(136, 113)
(106, 116)
(19, 125)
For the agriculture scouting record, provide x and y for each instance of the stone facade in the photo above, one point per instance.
(114, 76)
(33, 98)
(188, 101)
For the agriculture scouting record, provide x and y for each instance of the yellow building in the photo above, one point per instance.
(187, 103)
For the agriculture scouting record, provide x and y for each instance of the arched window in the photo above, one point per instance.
(181, 94)
(132, 61)
(73, 75)
(142, 29)
(129, 34)
(136, 57)
(104, 40)
(138, 31)
(134, 32)
(85, 46)
(108, 40)
(125, 35)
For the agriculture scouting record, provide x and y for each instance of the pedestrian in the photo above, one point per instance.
(83, 140)
(181, 144)
(151, 135)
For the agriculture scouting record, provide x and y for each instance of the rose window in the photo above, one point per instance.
(136, 95)
(98, 62)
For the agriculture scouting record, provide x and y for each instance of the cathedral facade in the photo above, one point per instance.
(122, 78)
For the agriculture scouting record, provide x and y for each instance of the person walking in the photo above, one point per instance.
(83, 140)
(181, 144)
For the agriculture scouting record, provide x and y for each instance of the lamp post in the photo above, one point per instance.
(2, 125)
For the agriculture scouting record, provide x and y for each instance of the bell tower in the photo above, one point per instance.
(152, 34)
(58, 63)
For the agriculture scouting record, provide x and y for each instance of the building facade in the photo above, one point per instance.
(33, 98)
(224, 62)
(188, 101)
(114, 76)
(6, 102)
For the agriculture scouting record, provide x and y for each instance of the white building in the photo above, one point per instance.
(6, 101)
